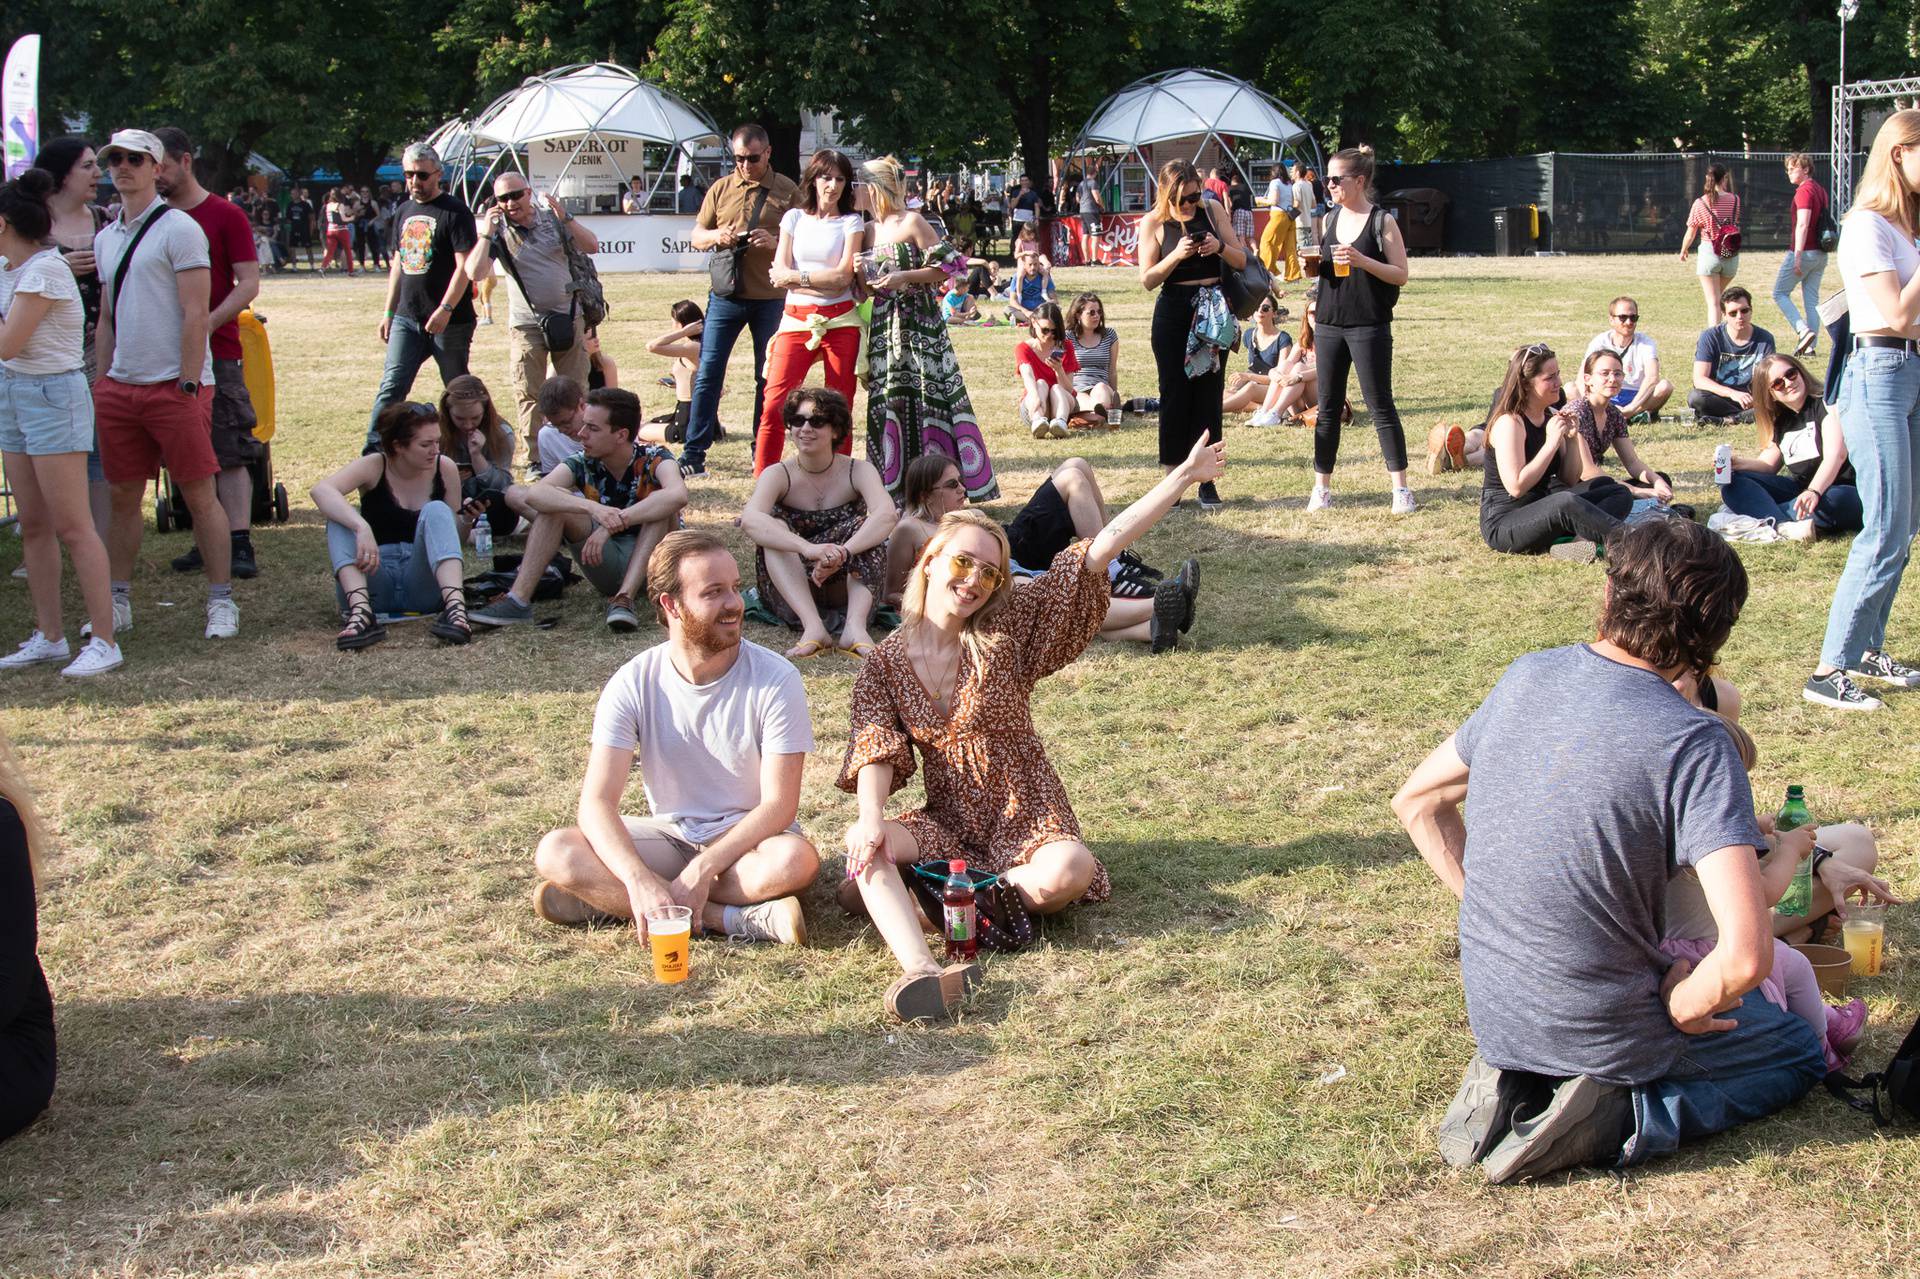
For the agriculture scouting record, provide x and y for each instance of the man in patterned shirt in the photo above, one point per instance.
(612, 503)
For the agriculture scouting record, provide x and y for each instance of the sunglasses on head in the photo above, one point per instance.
(512, 197)
(1785, 380)
(1540, 351)
(132, 158)
(963, 565)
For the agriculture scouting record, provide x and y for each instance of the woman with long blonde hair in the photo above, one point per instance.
(26, 1007)
(1878, 399)
(956, 680)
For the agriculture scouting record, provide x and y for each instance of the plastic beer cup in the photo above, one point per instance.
(1310, 260)
(1341, 269)
(670, 936)
(1863, 933)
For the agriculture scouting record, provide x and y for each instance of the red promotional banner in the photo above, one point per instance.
(1116, 243)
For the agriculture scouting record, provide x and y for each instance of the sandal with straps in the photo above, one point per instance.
(363, 628)
(452, 626)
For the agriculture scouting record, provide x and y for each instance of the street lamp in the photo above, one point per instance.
(1849, 9)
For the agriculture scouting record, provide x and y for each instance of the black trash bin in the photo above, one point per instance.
(1512, 232)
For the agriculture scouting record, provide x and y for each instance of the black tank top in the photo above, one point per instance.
(1188, 270)
(392, 523)
(1358, 299)
(1536, 439)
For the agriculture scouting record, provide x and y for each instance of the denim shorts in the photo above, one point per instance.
(45, 413)
(1710, 263)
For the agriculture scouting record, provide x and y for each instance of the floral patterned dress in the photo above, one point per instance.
(992, 797)
(916, 400)
(834, 524)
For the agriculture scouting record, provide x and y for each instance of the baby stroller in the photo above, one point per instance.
(269, 498)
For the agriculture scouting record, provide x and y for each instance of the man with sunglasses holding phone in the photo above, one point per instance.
(741, 211)
(429, 297)
(1725, 358)
(1643, 392)
(153, 403)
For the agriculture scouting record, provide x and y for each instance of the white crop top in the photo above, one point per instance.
(819, 244)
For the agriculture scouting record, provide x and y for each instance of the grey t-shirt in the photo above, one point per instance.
(540, 256)
(1591, 782)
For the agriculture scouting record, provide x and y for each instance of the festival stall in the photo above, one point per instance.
(1194, 114)
(581, 132)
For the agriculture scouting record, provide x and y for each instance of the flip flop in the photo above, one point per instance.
(858, 652)
(807, 648)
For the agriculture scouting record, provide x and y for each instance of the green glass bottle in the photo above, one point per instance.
(1798, 898)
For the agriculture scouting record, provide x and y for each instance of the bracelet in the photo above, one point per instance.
(444, 307)
(1818, 494)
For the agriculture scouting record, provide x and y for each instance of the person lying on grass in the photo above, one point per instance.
(720, 731)
(955, 681)
(820, 520)
(1146, 606)
(400, 552)
(611, 503)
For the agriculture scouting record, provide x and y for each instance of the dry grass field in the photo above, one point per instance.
(309, 1026)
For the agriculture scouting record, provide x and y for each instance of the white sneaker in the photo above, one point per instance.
(1808, 340)
(1042, 429)
(36, 650)
(1264, 417)
(1403, 503)
(1320, 499)
(122, 619)
(779, 920)
(223, 619)
(97, 658)
(1796, 530)
(1060, 428)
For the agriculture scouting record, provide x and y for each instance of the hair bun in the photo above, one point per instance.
(37, 183)
(1364, 149)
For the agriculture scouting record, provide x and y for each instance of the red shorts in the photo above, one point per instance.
(142, 427)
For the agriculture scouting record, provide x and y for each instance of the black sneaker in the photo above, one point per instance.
(190, 562)
(1210, 499)
(1170, 607)
(690, 467)
(1139, 566)
(1189, 581)
(1874, 664)
(1130, 584)
(244, 565)
(1836, 690)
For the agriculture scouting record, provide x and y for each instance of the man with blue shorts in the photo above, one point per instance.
(1643, 392)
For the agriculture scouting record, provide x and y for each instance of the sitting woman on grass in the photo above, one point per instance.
(1294, 384)
(1265, 343)
(1046, 364)
(682, 346)
(956, 681)
(1147, 607)
(1096, 346)
(400, 552)
(1818, 493)
(1599, 425)
(480, 443)
(820, 519)
(1528, 503)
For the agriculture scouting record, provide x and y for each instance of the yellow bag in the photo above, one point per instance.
(256, 356)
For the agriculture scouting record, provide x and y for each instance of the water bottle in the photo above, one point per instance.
(963, 941)
(483, 542)
(1798, 898)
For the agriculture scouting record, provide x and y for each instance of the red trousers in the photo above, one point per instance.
(788, 363)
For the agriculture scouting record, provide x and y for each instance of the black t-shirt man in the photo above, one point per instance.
(426, 238)
(300, 218)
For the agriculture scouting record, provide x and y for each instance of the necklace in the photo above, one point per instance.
(810, 471)
(943, 689)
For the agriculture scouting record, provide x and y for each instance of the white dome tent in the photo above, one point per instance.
(584, 118)
(1206, 108)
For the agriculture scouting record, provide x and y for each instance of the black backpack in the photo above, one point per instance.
(1900, 1081)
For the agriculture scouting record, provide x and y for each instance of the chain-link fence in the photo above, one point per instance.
(1619, 203)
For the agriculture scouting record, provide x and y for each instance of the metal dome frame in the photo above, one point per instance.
(1163, 83)
(499, 133)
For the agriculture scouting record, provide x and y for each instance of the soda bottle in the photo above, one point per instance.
(963, 942)
(1798, 898)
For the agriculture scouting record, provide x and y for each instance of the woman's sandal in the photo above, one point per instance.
(363, 628)
(808, 648)
(859, 650)
(452, 625)
(932, 996)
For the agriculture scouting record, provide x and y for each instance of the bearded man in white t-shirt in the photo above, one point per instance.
(720, 731)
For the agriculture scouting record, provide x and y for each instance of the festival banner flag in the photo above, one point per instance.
(20, 104)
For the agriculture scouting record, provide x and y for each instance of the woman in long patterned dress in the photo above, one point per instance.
(916, 400)
(956, 681)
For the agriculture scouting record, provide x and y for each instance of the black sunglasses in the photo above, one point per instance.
(1736, 310)
(1629, 319)
(1335, 179)
(754, 158)
(422, 174)
(512, 197)
(1192, 199)
(132, 158)
(798, 420)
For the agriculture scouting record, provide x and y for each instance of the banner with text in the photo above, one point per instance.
(20, 105)
(596, 169)
(652, 242)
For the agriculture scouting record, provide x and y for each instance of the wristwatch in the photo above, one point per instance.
(1819, 855)
(189, 387)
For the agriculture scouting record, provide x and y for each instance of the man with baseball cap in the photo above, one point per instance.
(153, 402)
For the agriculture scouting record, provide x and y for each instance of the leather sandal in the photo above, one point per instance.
(363, 628)
(452, 625)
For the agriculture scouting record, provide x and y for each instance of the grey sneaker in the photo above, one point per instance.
(1841, 693)
(779, 920)
(505, 611)
(1583, 1122)
(1876, 665)
(122, 619)
(620, 615)
(1480, 1114)
(1578, 551)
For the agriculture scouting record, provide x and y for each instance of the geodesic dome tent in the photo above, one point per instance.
(1157, 115)
(588, 105)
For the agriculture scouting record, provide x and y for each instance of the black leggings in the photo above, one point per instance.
(1368, 351)
(1189, 406)
(1591, 511)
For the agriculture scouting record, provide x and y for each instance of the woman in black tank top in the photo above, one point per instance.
(400, 552)
(1186, 241)
(1526, 504)
(1355, 322)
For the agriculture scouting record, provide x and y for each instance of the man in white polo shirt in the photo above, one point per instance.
(153, 405)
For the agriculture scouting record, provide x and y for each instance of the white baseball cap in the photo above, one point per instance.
(134, 140)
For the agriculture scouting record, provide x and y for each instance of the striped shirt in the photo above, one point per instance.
(1096, 361)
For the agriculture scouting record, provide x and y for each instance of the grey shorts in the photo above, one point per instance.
(607, 575)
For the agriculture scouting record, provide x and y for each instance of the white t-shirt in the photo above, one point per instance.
(1637, 361)
(699, 747)
(819, 244)
(1870, 244)
(147, 321)
(57, 342)
(556, 446)
(1280, 195)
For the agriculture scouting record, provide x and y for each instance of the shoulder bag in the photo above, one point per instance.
(724, 265)
(556, 327)
(126, 259)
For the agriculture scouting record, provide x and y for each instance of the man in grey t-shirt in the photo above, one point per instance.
(1587, 782)
(535, 238)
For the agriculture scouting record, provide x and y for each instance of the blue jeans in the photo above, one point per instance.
(1879, 409)
(409, 346)
(1814, 263)
(1770, 1059)
(404, 582)
(725, 318)
(1770, 497)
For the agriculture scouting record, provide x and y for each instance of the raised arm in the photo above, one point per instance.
(1205, 463)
